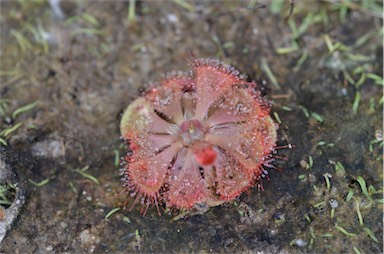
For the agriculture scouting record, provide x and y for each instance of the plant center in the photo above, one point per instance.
(191, 131)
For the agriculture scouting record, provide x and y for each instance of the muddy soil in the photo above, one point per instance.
(83, 62)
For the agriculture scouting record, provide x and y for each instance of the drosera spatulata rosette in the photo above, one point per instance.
(196, 139)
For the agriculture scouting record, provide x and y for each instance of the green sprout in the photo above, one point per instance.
(356, 102)
(131, 11)
(40, 184)
(117, 157)
(363, 186)
(277, 117)
(318, 117)
(327, 176)
(7, 132)
(23, 42)
(126, 219)
(185, 5)
(361, 222)
(344, 231)
(310, 162)
(86, 175)
(270, 74)
(24, 109)
(371, 234)
(5, 189)
(356, 250)
(109, 214)
(349, 195)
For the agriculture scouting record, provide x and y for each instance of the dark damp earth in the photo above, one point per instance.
(69, 69)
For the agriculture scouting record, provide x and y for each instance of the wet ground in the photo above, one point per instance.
(69, 69)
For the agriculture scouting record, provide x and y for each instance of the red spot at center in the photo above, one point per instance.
(205, 155)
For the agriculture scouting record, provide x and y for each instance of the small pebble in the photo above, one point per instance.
(333, 203)
(379, 135)
(48, 149)
(303, 164)
(301, 242)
